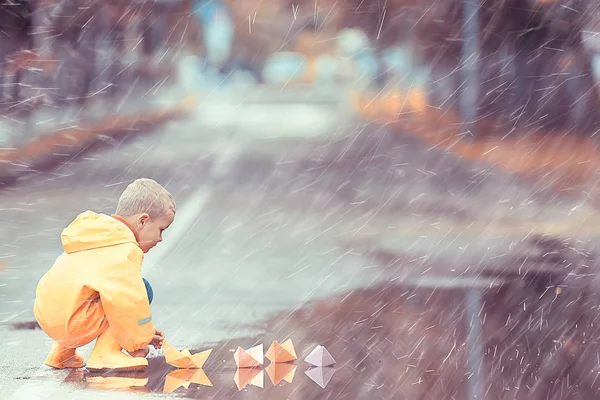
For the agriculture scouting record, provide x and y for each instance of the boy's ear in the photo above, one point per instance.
(143, 219)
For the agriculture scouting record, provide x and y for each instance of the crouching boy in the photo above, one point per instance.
(95, 289)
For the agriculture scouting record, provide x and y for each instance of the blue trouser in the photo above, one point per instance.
(148, 290)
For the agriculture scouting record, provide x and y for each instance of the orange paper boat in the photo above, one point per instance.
(249, 358)
(183, 378)
(281, 372)
(249, 376)
(184, 359)
(280, 353)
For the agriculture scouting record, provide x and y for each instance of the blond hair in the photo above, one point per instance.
(145, 196)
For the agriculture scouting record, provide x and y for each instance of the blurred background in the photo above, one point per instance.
(411, 183)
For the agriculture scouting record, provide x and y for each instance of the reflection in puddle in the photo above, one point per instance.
(123, 381)
(196, 384)
(320, 375)
(249, 376)
(281, 372)
(185, 377)
(127, 383)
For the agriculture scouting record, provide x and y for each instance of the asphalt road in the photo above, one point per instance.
(354, 238)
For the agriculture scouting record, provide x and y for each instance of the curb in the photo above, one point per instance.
(49, 150)
(564, 160)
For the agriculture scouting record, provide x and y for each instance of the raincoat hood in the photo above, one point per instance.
(91, 230)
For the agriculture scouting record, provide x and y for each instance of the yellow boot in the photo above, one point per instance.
(108, 354)
(62, 357)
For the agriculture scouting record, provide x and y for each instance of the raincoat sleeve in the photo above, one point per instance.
(125, 300)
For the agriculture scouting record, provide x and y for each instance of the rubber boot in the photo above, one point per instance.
(108, 355)
(62, 357)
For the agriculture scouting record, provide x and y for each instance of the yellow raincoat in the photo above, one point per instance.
(95, 283)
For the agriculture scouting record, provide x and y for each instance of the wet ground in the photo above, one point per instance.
(400, 341)
(364, 241)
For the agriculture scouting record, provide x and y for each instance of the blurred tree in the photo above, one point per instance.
(535, 71)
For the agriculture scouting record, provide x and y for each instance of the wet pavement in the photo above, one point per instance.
(361, 240)
(404, 341)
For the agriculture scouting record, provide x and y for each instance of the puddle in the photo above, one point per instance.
(383, 340)
(538, 340)
(274, 381)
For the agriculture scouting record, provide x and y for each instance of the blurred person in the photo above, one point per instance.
(284, 67)
(218, 31)
(356, 54)
(95, 288)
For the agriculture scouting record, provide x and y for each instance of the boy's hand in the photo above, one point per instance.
(158, 339)
(143, 352)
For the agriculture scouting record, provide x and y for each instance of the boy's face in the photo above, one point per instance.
(149, 230)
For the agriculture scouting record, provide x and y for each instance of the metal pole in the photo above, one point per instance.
(475, 387)
(469, 63)
(468, 107)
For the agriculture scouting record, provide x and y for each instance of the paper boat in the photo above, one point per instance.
(281, 372)
(320, 375)
(184, 359)
(280, 353)
(249, 376)
(320, 357)
(249, 358)
(183, 378)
